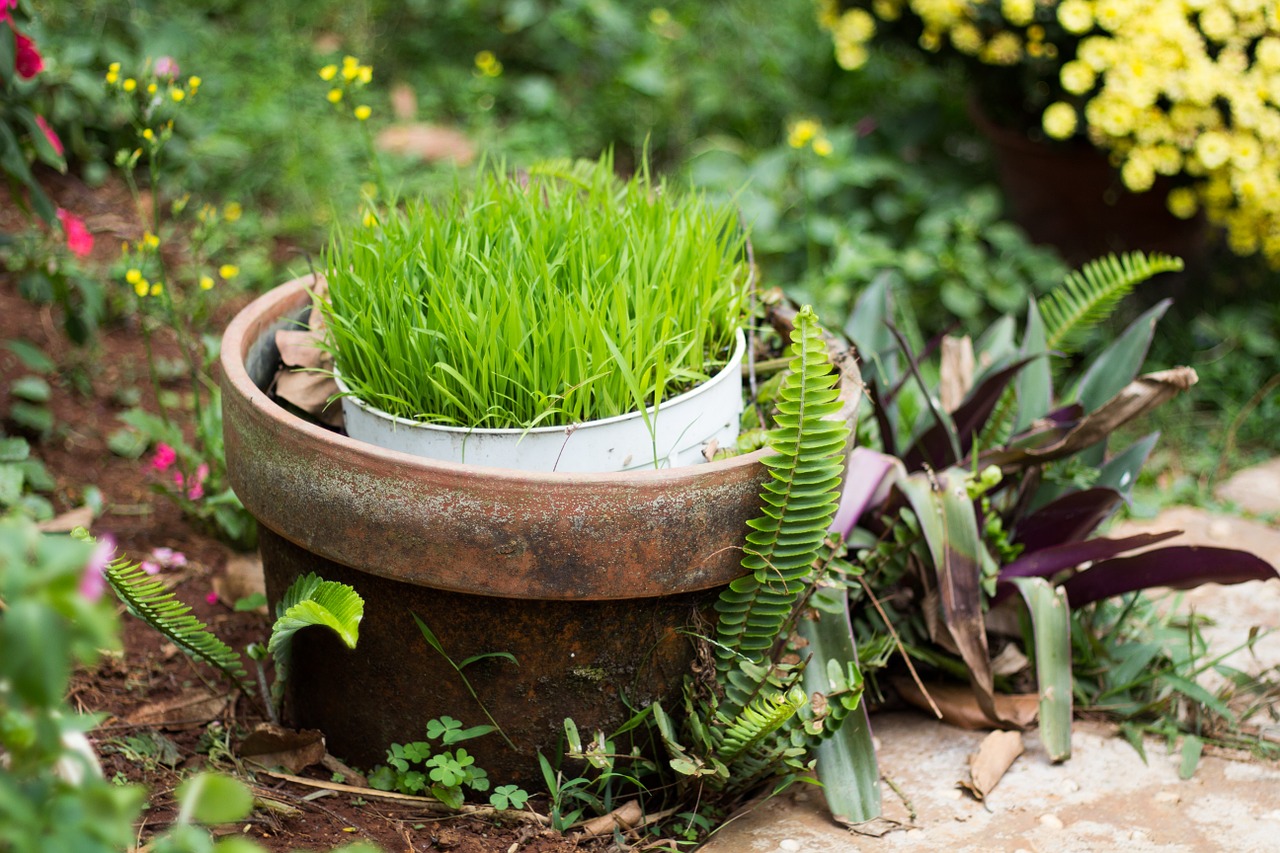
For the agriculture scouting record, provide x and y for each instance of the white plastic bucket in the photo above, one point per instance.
(681, 428)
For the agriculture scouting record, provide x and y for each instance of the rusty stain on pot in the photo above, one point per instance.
(587, 579)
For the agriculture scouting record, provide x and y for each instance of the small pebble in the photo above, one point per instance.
(1139, 836)
(954, 794)
(1052, 821)
(789, 844)
(1168, 797)
(1070, 786)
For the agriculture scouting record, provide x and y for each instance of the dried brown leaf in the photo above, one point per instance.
(988, 765)
(189, 710)
(273, 746)
(960, 707)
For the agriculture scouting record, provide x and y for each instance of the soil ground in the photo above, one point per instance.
(167, 717)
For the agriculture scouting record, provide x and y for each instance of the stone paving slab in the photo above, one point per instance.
(1255, 489)
(1104, 798)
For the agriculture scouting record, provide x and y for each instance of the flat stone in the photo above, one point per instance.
(1120, 803)
(1255, 489)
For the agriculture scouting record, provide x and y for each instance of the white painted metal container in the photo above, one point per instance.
(674, 435)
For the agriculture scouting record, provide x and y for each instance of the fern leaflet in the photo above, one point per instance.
(311, 600)
(799, 501)
(1091, 293)
(147, 598)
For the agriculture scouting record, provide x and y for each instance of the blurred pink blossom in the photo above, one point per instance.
(27, 61)
(164, 457)
(194, 491)
(49, 134)
(149, 567)
(169, 558)
(211, 598)
(79, 240)
(166, 67)
(93, 582)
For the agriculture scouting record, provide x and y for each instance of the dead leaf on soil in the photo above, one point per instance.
(959, 706)
(988, 765)
(190, 710)
(275, 746)
(241, 579)
(81, 516)
(623, 817)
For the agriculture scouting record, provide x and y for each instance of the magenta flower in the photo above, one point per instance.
(169, 558)
(27, 61)
(194, 491)
(149, 567)
(93, 582)
(79, 240)
(166, 67)
(48, 132)
(164, 457)
(5, 6)
(211, 598)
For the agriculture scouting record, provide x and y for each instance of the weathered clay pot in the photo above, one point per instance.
(587, 579)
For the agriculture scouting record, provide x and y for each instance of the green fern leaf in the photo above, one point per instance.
(1090, 294)
(147, 598)
(798, 502)
(765, 715)
(311, 600)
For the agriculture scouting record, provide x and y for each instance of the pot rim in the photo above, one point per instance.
(251, 321)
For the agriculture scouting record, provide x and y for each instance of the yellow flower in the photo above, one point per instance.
(822, 146)
(967, 38)
(1018, 12)
(206, 283)
(150, 240)
(366, 74)
(1137, 173)
(141, 287)
(1077, 77)
(112, 77)
(129, 84)
(1213, 149)
(802, 132)
(177, 94)
(1217, 23)
(151, 88)
(114, 68)
(1182, 202)
(1005, 48)
(148, 134)
(1059, 120)
(133, 276)
(194, 83)
(350, 72)
(370, 219)
(362, 112)
(232, 211)
(1076, 16)
(488, 64)
(157, 288)
(228, 271)
(334, 96)
(328, 72)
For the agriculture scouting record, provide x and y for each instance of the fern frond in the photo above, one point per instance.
(147, 598)
(311, 600)
(1090, 294)
(765, 715)
(799, 501)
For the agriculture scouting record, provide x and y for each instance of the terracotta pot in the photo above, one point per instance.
(587, 579)
(1069, 196)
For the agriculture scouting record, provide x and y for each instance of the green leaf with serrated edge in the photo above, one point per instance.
(1051, 629)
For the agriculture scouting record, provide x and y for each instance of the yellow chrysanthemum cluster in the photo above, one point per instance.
(151, 97)
(344, 81)
(1186, 88)
(807, 133)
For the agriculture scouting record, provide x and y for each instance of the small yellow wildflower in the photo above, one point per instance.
(350, 72)
(232, 211)
(822, 146)
(1059, 120)
(1182, 202)
(194, 83)
(113, 73)
(488, 64)
(802, 132)
(1213, 149)
(1077, 77)
(114, 68)
(370, 219)
(141, 287)
(177, 94)
(659, 17)
(151, 89)
(362, 112)
(148, 134)
(328, 72)
(335, 95)
(129, 84)
(1018, 12)
(228, 271)
(206, 283)
(150, 240)
(133, 276)
(156, 288)
(1076, 16)
(366, 74)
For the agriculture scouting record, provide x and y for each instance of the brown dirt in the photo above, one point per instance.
(130, 687)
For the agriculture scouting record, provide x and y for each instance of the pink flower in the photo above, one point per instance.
(195, 491)
(149, 567)
(48, 132)
(211, 598)
(166, 67)
(164, 458)
(5, 6)
(27, 61)
(93, 582)
(169, 558)
(79, 240)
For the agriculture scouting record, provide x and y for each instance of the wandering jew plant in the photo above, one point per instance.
(553, 297)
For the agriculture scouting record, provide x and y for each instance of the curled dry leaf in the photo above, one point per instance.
(273, 746)
(623, 817)
(988, 765)
(960, 707)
